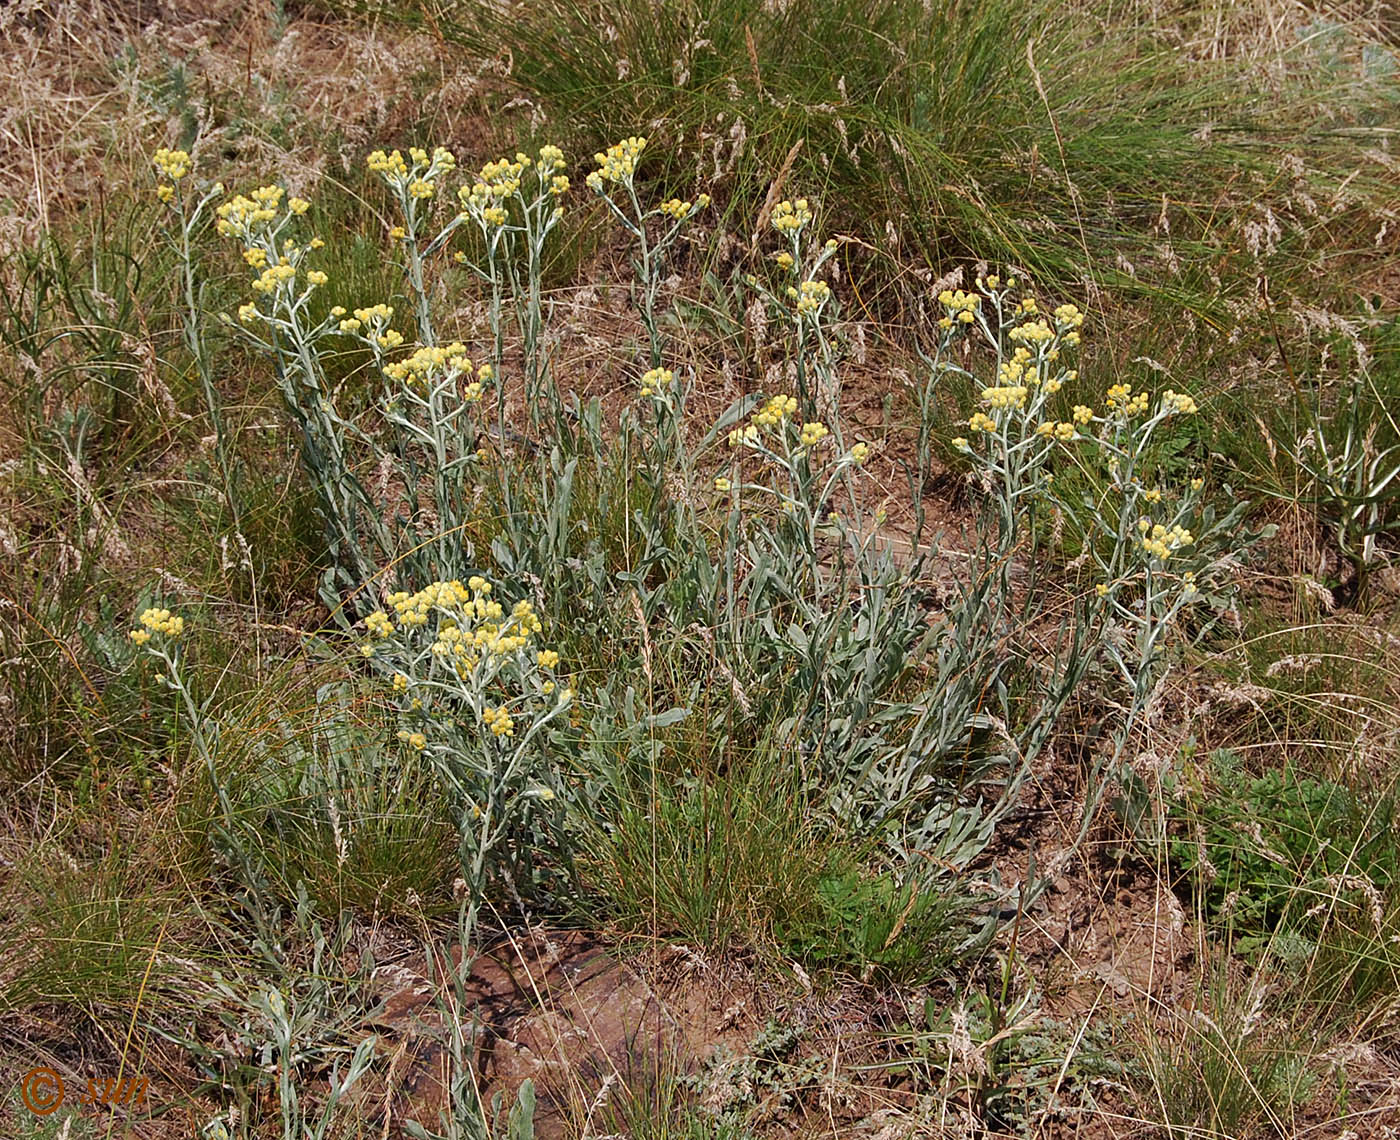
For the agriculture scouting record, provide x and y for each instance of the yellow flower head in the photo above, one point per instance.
(1178, 402)
(174, 164)
(789, 217)
(618, 163)
(777, 409)
(812, 296)
(655, 380)
(161, 621)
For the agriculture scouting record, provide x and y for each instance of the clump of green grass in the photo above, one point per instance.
(988, 130)
(1231, 1068)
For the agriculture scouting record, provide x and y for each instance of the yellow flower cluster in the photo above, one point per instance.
(547, 659)
(980, 422)
(238, 216)
(789, 217)
(413, 609)
(1178, 402)
(1005, 396)
(275, 276)
(375, 316)
(174, 164)
(1069, 317)
(1082, 415)
(502, 177)
(813, 433)
(1120, 397)
(378, 623)
(157, 621)
(722, 484)
(429, 362)
(961, 307)
(415, 740)
(679, 210)
(390, 165)
(1017, 368)
(812, 296)
(498, 721)
(656, 379)
(1162, 542)
(1035, 332)
(499, 180)
(394, 169)
(473, 625)
(617, 164)
(775, 411)
(860, 453)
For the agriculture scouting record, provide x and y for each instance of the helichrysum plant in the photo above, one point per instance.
(656, 229)
(515, 204)
(1154, 546)
(770, 566)
(187, 214)
(801, 301)
(477, 693)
